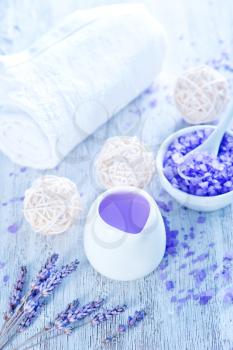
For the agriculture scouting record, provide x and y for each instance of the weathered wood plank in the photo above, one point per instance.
(198, 31)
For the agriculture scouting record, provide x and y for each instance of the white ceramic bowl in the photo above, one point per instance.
(117, 254)
(200, 203)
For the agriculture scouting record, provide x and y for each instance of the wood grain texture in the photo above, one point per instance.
(198, 32)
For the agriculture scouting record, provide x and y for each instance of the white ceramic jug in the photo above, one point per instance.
(124, 236)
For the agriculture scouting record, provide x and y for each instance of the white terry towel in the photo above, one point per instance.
(74, 79)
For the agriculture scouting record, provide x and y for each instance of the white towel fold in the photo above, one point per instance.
(74, 79)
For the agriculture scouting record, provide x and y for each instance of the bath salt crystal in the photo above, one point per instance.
(207, 175)
(170, 285)
(205, 297)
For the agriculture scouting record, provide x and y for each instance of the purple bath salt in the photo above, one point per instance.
(13, 228)
(173, 299)
(201, 257)
(153, 103)
(191, 232)
(189, 253)
(172, 240)
(207, 175)
(167, 207)
(126, 211)
(182, 266)
(199, 275)
(201, 219)
(213, 267)
(228, 296)
(6, 279)
(185, 245)
(170, 285)
(205, 297)
(2, 264)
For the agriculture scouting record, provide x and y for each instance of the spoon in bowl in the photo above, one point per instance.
(209, 147)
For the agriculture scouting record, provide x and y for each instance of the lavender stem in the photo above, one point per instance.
(132, 322)
(46, 332)
(74, 314)
(43, 286)
(42, 275)
(16, 296)
(17, 291)
(43, 333)
(10, 335)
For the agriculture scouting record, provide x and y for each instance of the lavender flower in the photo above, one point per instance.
(32, 315)
(46, 270)
(17, 292)
(70, 308)
(136, 318)
(29, 307)
(132, 322)
(122, 328)
(45, 288)
(75, 313)
(108, 314)
(65, 320)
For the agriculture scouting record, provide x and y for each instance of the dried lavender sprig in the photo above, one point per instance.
(76, 314)
(65, 320)
(107, 315)
(43, 290)
(41, 276)
(51, 325)
(132, 322)
(30, 307)
(97, 319)
(46, 288)
(17, 293)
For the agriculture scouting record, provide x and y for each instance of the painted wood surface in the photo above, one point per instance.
(200, 245)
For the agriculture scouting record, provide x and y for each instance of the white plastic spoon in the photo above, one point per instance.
(210, 145)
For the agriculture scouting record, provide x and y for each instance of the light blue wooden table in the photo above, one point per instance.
(199, 259)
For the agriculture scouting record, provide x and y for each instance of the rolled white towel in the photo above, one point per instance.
(74, 79)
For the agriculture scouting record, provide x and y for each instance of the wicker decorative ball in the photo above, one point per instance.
(201, 94)
(52, 205)
(124, 161)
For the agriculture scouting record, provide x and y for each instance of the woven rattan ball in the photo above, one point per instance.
(201, 94)
(124, 161)
(52, 204)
